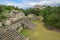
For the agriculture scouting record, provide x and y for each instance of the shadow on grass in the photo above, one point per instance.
(52, 28)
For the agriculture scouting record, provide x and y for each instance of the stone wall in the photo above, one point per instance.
(14, 24)
(28, 24)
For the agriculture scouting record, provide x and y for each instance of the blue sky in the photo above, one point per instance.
(29, 3)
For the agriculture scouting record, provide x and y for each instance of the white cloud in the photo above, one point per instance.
(28, 3)
(42, 2)
(49, 2)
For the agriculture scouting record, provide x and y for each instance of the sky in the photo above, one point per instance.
(29, 3)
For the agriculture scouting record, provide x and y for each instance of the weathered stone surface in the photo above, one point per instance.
(39, 7)
(29, 25)
(17, 26)
(13, 19)
(16, 14)
(10, 34)
(33, 17)
(13, 16)
(6, 22)
(14, 24)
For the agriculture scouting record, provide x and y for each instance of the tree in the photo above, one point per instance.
(52, 16)
(32, 11)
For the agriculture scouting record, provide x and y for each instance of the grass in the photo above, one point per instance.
(40, 33)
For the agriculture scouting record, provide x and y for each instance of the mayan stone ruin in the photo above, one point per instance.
(11, 27)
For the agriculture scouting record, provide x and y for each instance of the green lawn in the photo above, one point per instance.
(41, 33)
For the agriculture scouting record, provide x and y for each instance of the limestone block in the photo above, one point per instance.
(29, 25)
(13, 19)
(7, 22)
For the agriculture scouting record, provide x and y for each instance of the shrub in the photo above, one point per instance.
(52, 16)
